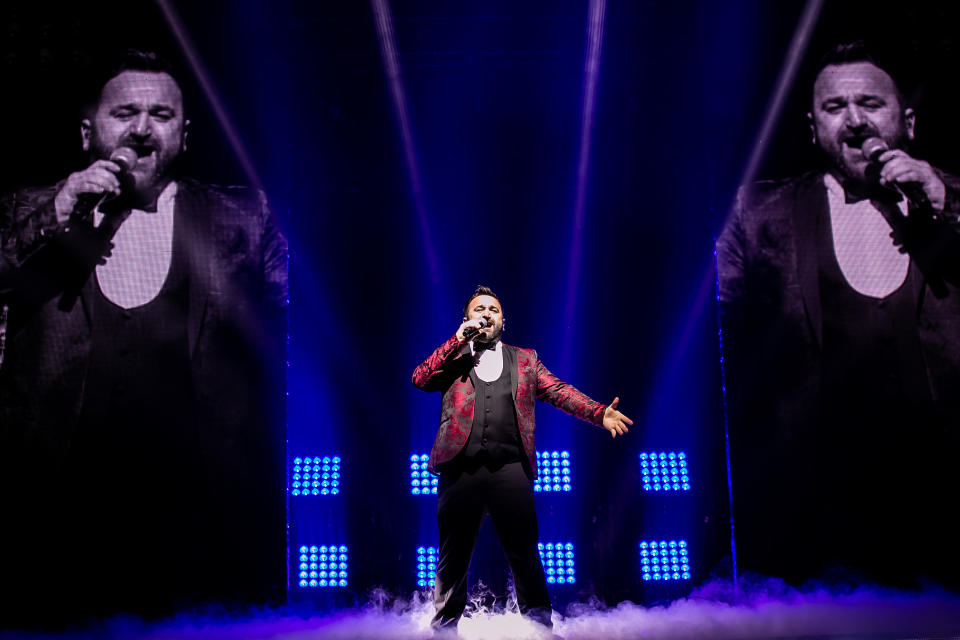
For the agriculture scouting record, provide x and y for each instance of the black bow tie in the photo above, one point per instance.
(480, 347)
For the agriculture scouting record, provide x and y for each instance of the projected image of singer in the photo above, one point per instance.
(141, 380)
(484, 452)
(841, 329)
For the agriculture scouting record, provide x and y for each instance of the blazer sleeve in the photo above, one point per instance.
(565, 397)
(275, 257)
(946, 231)
(433, 373)
(28, 223)
(731, 245)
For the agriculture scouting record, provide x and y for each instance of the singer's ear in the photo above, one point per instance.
(85, 128)
(183, 136)
(813, 127)
(909, 120)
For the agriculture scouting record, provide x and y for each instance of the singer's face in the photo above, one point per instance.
(486, 307)
(142, 110)
(853, 102)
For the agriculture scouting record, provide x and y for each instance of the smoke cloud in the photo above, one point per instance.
(716, 611)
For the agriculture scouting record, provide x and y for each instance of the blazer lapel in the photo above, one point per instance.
(810, 210)
(510, 362)
(196, 240)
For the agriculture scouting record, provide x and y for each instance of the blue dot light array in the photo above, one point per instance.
(553, 471)
(426, 566)
(422, 482)
(664, 560)
(319, 476)
(558, 562)
(322, 567)
(664, 471)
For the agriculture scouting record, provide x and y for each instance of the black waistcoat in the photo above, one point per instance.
(138, 419)
(874, 376)
(494, 429)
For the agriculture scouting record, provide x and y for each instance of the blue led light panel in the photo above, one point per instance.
(422, 482)
(426, 567)
(664, 560)
(553, 471)
(319, 476)
(664, 471)
(558, 562)
(322, 567)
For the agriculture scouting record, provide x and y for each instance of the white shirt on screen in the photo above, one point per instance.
(871, 264)
(142, 252)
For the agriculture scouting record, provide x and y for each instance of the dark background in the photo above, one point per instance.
(494, 93)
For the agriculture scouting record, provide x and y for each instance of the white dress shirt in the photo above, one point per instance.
(142, 251)
(871, 264)
(490, 364)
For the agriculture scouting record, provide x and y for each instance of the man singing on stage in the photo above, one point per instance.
(484, 452)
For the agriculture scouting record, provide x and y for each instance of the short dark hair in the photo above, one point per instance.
(128, 60)
(863, 51)
(481, 291)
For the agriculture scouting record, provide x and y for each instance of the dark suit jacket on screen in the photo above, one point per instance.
(237, 264)
(770, 301)
(234, 258)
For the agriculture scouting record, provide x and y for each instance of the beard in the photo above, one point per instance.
(846, 157)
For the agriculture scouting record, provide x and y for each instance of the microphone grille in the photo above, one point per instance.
(873, 147)
(125, 157)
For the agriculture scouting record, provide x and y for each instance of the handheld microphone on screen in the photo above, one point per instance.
(872, 149)
(126, 158)
(470, 332)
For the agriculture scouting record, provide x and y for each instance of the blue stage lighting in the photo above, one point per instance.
(558, 562)
(426, 567)
(422, 482)
(322, 567)
(664, 560)
(319, 476)
(664, 471)
(553, 471)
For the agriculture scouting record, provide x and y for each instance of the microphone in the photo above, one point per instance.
(126, 158)
(469, 332)
(872, 149)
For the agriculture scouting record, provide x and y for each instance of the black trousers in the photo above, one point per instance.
(466, 493)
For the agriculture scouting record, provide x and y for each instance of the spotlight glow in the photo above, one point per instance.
(664, 560)
(558, 562)
(426, 567)
(664, 471)
(322, 566)
(319, 476)
(422, 482)
(553, 471)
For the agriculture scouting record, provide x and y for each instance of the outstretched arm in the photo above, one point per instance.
(567, 398)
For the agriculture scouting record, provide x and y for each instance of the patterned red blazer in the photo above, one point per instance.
(448, 370)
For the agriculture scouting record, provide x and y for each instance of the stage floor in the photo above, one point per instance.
(715, 611)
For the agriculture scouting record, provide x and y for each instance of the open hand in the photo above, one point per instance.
(614, 421)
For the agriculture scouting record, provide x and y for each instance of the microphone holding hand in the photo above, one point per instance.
(86, 190)
(470, 328)
(914, 179)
